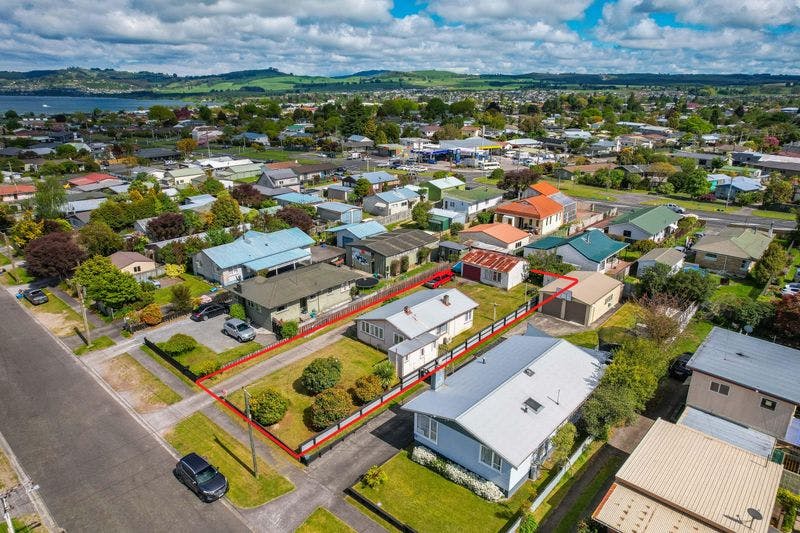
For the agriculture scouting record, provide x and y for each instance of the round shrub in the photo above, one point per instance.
(174, 271)
(237, 311)
(385, 372)
(178, 344)
(367, 388)
(321, 374)
(374, 477)
(329, 406)
(151, 315)
(208, 367)
(268, 407)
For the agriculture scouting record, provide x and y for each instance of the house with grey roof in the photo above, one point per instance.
(183, 177)
(391, 202)
(733, 251)
(380, 180)
(666, 256)
(749, 381)
(377, 254)
(338, 212)
(278, 178)
(497, 415)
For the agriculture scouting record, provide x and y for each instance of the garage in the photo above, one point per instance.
(552, 308)
(471, 272)
(575, 312)
(591, 297)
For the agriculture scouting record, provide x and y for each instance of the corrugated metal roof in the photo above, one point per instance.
(591, 286)
(361, 230)
(412, 345)
(255, 245)
(719, 428)
(337, 207)
(701, 477)
(652, 220)
(299, 198)
(279, 260)
(492, 260)
(446, 183)
(395, 242)
(376, 177)
(487, 396)
(753, 363)
(668, 256)
(397, 195)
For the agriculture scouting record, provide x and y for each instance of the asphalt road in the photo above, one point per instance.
(98, 469)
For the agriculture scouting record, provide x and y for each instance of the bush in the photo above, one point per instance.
(237, 311)
(666, 188)
(208, 367)
(385, 372)
(394, 268)
(321, 374)
(423, 254)
(374, 477)
(644, 246)
(181, 298)
(708, 197)
(329, 406)
(178, 344)
(174, 271)
(455, 473)
(268, 407)
(457, 227)
(404, 262)
(528, 524)
(367, 388)
(289, 329)
(151, 315)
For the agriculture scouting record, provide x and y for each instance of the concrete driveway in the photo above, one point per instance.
(209, 333)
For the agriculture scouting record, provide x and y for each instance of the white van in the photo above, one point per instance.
(488, 165)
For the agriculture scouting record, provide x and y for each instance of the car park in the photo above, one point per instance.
(239, 330)
(201, 477)
(209, 310)
(678, 368)
(35, 296)
(439, 279)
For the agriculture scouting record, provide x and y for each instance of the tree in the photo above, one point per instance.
(367, 388)
(497, 174)
(329, 406)
(517, 181)
(25, 230)
(106, 283)
(247, 195)
(112, 213)
(385, 372)
(181, 298)
(355, 117)
(548, 263)
(268, 407)
(218, 237)
(361, 189)
(771, 264)
(98, 238)
(166, 226)
(735, 311)
(654, 280)
(186, 146)
(322, 373)
(54, 254)
(435, 109)
(151, 315)
(485, 217)
(456, 228)
(420, 214)
(658, 315)
(212, 186)
(787, 316)
(225, 211)
(50, 198)
(296, 217)
(691, 286)
(778, 191)
(161, 114)
(606, 407)
(562, 442)
(237, 311)
(692, 181)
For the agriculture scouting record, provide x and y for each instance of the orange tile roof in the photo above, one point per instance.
(9, 190)
(88, 179)
(492, 260)
(502, 232)
(533, 207)
(542, 187)
(281, 164)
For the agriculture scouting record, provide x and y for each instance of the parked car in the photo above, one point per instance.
(676, 208)
(239, 330)
(201, 477)
(209, 310)
(439, 279)
(678, 369)
(790, 289)
(35, 296)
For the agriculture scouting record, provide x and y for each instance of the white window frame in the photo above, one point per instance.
(426, 427)
(494, 459)
(398, 338)
(720, 388)
(468, 316)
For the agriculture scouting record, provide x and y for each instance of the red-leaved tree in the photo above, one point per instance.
(54, 254)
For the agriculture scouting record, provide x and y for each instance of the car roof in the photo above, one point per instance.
(194, 462)
(235, 321)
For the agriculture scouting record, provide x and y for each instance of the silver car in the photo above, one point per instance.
(239, 330)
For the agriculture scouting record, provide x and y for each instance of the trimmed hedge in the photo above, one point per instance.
(178, 344)
(268, 407)
(329, 406)
(321, 374)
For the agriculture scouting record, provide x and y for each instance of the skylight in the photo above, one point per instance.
(530, 403)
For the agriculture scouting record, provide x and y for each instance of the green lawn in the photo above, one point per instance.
(586, 192)
(197, 358)
(97, 344)
(780, 215)
(692, 205)
(197, 286)
(323, 521)
(157, 358)
(19, 273)
(357, 360)
(694, 334)
(199, 434)
(275, 154)
(407, 496)
(57, 316)
(22, 527)
(618, 327)
(4, 260)
(126, 374)
(743, 288)
(587, 339)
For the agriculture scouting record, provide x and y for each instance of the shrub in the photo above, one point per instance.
(708, 197)
(208, 367)
(268, 407)
(181, 298)
(394, 267)
(151, 315)
(174, 271)
(455, 473)
(456, 227)
(237, 311)
(423, 254)
(644, 246)
(528, 524)
(321, 374)
(385, 372)
(367, 388)
(329, 406)
(289, 329)
(374, 477)
(404, 262)
(178, 344)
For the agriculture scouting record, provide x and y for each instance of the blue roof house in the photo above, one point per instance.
(591, 250)
(290, 198)
(339, 212)
(355, 232)
(252, 253)
(391, 202)
(497, 415)
(731, 187)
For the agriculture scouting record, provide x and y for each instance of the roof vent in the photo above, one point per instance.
(533, 405)
(407, 310)
(740, 354)
(529, 372)
(446, 299)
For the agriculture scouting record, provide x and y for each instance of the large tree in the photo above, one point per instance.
(54, 254)
(225, 211)
(787, 316)
(50, 198)
(778, 191)
(247, 195)
(771, 263)
(421, 214)
(361, 189)
(106, 283)
(99, 239)
(297, 217)
(517, 181)
(166, 226)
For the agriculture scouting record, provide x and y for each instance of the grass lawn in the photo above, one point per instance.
(323, 521)
(199, 434)
(197, 358)
(56, 315)
(625, 317)
(578, 190)
(97, 344)
(743, 288)
(197, 286)
(486, 296)
(486, 180)
(780, 215)
(4, 260)
(357, 359)
(386, 525)
(157, 358)
(125, 374)
(407, 496)
(694, 334)
(8, 477)
(587, 339)
(19, 273)
(22, 526)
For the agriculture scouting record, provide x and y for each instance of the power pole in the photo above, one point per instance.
(10, 252)
(81, 296)
(250, 430)
(7, 511)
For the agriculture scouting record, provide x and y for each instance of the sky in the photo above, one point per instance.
(337, 37)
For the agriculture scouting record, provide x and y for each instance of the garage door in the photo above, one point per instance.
(575, 312)
(552, 308)
(471, 272)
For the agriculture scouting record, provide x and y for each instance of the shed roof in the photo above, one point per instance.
(375, 178)
(479, 194)
(492, 260)
(740, 436)
(361, 230)
(446, 183)
(668, 256)
(651, 220)
(300, 198)
(395, 242)
(591, 286)
(337, 207)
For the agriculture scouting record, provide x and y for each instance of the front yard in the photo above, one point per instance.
(200, 435)
(16, 276)
(197, 286)
(357, 360)
(137, 384)
(201, 356)
(56, 315)
(323, 521)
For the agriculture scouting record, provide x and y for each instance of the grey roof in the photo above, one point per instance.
(487, 397)
(730, 432)
(360, 230)
(395, 242)
(294, 285)
(668, 256)
(426, 310)
(337, 207)
(411, 345)
(452, 245)
(750, 362)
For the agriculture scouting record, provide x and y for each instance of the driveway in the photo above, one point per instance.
(208, 333)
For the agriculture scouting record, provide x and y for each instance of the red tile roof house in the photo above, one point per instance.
(14, 193)
(496, 236)
(88, 179)
(539, 214)
(494, 268)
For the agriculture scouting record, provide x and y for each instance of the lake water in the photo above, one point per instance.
(51, 105)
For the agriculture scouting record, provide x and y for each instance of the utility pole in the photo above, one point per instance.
(10, 250)
(250, 429)
(7, 511)
(81, 296)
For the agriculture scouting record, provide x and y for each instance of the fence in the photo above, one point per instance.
(146, 276)
(174, 363)
(394, 217)
(380, 511)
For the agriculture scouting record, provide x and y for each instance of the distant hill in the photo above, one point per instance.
(94, 81)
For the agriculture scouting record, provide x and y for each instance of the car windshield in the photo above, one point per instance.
(206, 474)
(242, 327)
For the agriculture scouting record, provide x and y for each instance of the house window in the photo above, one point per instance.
(372, 330)
(608, 300)
(442, 329)
(491, 275)
(711, 257)
(137, 269)
(766, 403)
(398, 338)
(468, 316)
(720, 388)
(490, 459)
(517, 245)
(427, 427)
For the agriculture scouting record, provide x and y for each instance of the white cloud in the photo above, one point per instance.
(476, 11)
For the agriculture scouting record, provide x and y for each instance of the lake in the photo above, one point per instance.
(51, 105)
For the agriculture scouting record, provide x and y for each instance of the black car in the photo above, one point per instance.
(678, 369)
(210, 310)
(201, 477)
(35, 296)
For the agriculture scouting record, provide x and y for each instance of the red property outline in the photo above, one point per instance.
(299, 456)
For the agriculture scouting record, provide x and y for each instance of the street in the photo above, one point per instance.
(97, 467)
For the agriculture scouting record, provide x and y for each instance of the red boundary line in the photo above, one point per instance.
(299, 456)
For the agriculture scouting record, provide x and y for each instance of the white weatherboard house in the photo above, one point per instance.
(410, 329)
(496, 416)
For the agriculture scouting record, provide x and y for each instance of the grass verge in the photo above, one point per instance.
(125, 374)
(99, 343)
(323, 521)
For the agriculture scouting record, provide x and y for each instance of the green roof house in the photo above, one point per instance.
(649, 223)
(733, 252)
(436, 187)
(470, 202)
(591, 250)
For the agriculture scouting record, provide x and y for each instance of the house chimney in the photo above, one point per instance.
(446, 299)
(407, 310)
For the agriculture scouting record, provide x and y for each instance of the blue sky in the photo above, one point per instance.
(334, 37)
